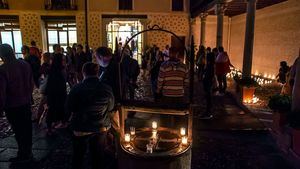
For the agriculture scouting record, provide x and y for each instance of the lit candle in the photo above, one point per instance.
(182, 131)
(127, 138)
(132, 131)
(154, 125)
(149, 148)
(154, 134)
(184, 140)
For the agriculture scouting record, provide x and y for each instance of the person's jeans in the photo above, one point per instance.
(20, 121)
(222, 83)
(96, 144)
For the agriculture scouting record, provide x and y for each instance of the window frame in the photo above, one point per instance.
(183, 6)
(15, 26)
(132, 6)
(57, 29)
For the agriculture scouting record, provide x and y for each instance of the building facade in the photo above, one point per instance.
(276, 36)
(48, 22)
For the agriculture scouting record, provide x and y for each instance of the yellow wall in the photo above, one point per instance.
(277, 33)
(100, 5)
(211, 31)
(179, 24)
(277, 37)
(31, 25)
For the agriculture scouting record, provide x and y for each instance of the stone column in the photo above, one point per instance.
(203, 17)
(249, 39)
(220, 7)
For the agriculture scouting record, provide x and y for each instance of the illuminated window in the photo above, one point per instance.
(63, 33)
(118, 32)
(125, 4)
(10, 34)
(177, 5)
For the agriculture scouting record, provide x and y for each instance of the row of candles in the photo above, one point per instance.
(129, 136)
(260, 79)
(252, 101)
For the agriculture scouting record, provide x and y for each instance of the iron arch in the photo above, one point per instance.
(153, 28)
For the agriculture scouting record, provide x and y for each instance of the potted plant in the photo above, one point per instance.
(281, 105)
(246, 87)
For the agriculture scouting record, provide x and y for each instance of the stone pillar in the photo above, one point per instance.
(249, 39)
(203, 17)
(220, 7)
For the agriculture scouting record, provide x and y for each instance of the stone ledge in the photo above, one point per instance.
(284, 138)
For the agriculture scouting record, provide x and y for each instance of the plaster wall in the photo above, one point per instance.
(277, 37)
(211, 31)
(179, 24)
(32, 27)
(101, 5)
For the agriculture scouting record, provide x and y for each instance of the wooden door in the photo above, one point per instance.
(179, 47)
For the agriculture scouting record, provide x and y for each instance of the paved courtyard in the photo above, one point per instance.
(233, 139)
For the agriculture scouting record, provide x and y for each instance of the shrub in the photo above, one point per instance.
(281, 103)
(245, 82)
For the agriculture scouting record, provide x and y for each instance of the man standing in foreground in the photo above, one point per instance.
(16, 86)
(91, 103)
(108, 72)
(172, 79)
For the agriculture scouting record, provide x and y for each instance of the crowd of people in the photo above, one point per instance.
(212, 69)
(95, 90)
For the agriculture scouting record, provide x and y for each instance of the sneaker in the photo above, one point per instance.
(205, 117)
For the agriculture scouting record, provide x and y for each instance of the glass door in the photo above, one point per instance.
(121, 32)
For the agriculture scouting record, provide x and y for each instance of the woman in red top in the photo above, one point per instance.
(222, 68)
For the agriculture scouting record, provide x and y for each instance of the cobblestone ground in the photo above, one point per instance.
(233, 139)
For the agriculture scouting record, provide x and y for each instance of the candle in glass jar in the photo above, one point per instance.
(132, 131)
(154, 134)
(184, 140)
(127, 138)
(182, 131)
(154, 125)
(149, 148)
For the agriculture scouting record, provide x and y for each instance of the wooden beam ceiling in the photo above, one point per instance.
(235, 7)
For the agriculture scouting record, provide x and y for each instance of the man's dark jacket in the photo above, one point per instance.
(91, 102)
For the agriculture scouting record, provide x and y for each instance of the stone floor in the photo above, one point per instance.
(233, 139)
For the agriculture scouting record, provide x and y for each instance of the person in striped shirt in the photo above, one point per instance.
(172, 79)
